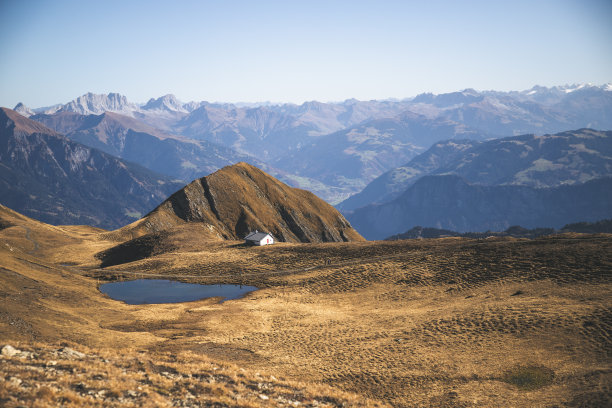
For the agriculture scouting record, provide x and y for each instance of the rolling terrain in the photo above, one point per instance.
(445, 322)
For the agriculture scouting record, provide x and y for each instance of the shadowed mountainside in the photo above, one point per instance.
(241, 198)
(566, 158)
(133, 140)
(48, 177)
(449, 202)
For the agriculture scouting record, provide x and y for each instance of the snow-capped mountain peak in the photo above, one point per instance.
(97, 104)
(575, 87)
(23, 110)
(167, 102)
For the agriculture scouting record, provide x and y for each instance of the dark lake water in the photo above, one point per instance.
(144, 291)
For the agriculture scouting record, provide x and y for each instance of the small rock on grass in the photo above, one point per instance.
(15, 382)
(70, 353)
(10, 351)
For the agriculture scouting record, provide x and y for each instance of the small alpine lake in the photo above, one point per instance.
(148, 291)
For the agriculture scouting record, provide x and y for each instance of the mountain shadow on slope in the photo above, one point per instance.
(47, 177)
(571, 157)
(136, 249)
(449, 202)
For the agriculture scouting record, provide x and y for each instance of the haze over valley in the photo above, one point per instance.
(331, 149)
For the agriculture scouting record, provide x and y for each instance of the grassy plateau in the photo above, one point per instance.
(451, 322)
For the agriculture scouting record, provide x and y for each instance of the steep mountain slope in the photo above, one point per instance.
(140, 143)
(241, 198)
(394, 182)
(449, 202)
(48, 177)
(538, 161)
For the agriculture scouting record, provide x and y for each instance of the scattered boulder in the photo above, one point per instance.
(14, 381)
(10, 351)
(69, 353)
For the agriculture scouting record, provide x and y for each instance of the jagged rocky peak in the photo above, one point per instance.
(23, 110)
(311, 106)
(96, 104)
(167, 102)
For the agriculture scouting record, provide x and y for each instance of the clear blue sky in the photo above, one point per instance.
(52, 51)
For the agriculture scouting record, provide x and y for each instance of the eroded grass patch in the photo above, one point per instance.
(529, 377)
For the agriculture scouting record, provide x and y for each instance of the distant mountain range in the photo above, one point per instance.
(449, 202)
(381, 162)
(516, 231)
(133, 140)
(365, 138)
(528, 160)
(352, 156)
(53, 179)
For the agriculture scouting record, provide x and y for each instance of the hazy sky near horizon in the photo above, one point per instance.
(52, 51)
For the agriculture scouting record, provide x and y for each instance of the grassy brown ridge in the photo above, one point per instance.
(441, 322)
(239, 199)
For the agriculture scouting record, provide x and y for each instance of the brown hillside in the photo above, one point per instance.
(241, 198)
(24, 125)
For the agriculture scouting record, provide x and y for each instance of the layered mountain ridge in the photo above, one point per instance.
(46, 176)
(136, 141)
(449, 202)
(337, 149)
(294, 138)
(549, 160)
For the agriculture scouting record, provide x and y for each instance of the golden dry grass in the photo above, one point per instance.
(42, 375)
(444, 322)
